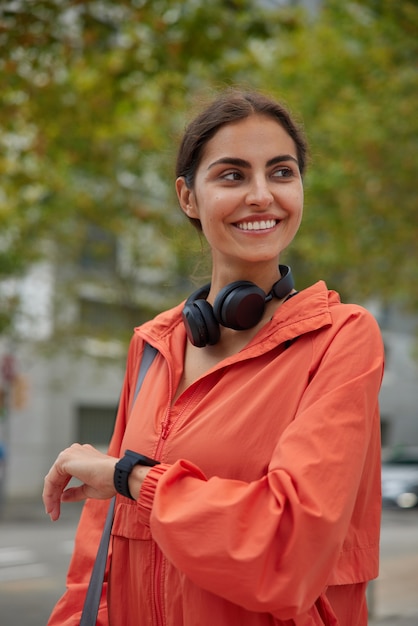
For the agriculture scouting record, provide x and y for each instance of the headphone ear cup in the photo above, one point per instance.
(240, 305)
(200, 323)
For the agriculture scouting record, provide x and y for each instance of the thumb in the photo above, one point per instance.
(75, 494)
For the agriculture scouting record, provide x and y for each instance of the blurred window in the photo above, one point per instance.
(99, 252)
(95, 424)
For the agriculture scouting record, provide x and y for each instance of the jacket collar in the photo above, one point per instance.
(307, 311)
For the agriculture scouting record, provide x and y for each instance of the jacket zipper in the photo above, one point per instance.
(166, 426)
(158, 568)
(158, 586)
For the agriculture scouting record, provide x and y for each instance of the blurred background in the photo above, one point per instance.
(94, 98)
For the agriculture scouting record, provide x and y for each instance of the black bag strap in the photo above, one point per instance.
(148, 356)
(94, 591)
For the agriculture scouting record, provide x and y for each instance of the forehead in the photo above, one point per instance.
(257, 135)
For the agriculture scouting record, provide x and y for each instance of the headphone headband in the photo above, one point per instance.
(239, 305)
(284, 285)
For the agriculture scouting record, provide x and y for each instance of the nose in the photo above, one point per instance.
(259, 193)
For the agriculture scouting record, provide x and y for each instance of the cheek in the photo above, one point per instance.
(299, 202)
(295, 201)
(215, 211)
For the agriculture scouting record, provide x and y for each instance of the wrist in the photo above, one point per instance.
(123, 479)
(136, 478)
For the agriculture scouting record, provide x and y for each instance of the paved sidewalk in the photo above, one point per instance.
(395, 621)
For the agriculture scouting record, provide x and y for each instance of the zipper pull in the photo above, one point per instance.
(165, 427)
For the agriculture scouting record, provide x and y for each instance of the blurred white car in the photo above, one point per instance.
(400, 477)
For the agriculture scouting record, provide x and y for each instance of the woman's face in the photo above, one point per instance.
(248, 192)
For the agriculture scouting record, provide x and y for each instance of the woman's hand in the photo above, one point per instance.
(94, 469)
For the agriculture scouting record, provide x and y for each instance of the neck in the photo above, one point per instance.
(263, 274)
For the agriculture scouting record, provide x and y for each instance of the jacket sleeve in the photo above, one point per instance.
(67, 611)
(271, 544)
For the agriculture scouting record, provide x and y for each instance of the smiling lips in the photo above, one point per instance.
(261, 225)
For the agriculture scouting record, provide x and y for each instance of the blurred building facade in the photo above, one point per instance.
(56, 389)
(399, 393)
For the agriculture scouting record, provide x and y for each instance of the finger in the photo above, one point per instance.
(74, 494)
(53, 508)
(52, 496)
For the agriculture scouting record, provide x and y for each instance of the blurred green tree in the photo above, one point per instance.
(356, 84)
(95, 95)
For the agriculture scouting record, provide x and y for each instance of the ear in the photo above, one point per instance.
(186, 198)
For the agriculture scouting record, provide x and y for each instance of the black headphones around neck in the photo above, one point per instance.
(240, 305)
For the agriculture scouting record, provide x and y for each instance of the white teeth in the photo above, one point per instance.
(263, 225)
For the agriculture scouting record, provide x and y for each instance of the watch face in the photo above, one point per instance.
(140, 459)
(132, 458)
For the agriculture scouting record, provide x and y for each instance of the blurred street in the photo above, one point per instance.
(394, 594)
(34, 555)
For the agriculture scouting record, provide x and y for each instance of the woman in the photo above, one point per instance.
(261, 406)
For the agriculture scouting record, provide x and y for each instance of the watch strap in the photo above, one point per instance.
(124, 467)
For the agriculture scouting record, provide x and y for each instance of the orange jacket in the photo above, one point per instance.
(265, 509)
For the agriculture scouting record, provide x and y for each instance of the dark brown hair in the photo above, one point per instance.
(231, 106)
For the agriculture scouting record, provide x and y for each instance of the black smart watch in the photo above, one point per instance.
(125, 466)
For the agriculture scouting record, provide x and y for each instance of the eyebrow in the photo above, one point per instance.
(243, 163)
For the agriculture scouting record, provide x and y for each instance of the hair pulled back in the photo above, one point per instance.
(231, 106)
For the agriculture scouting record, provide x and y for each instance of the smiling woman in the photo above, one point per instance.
(248, 181)
(260, 404)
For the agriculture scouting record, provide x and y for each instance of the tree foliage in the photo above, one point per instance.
(95, 95)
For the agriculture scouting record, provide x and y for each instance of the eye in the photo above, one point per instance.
(232, 175)
(283, 172)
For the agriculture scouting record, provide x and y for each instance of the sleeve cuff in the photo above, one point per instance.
(147, 491)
